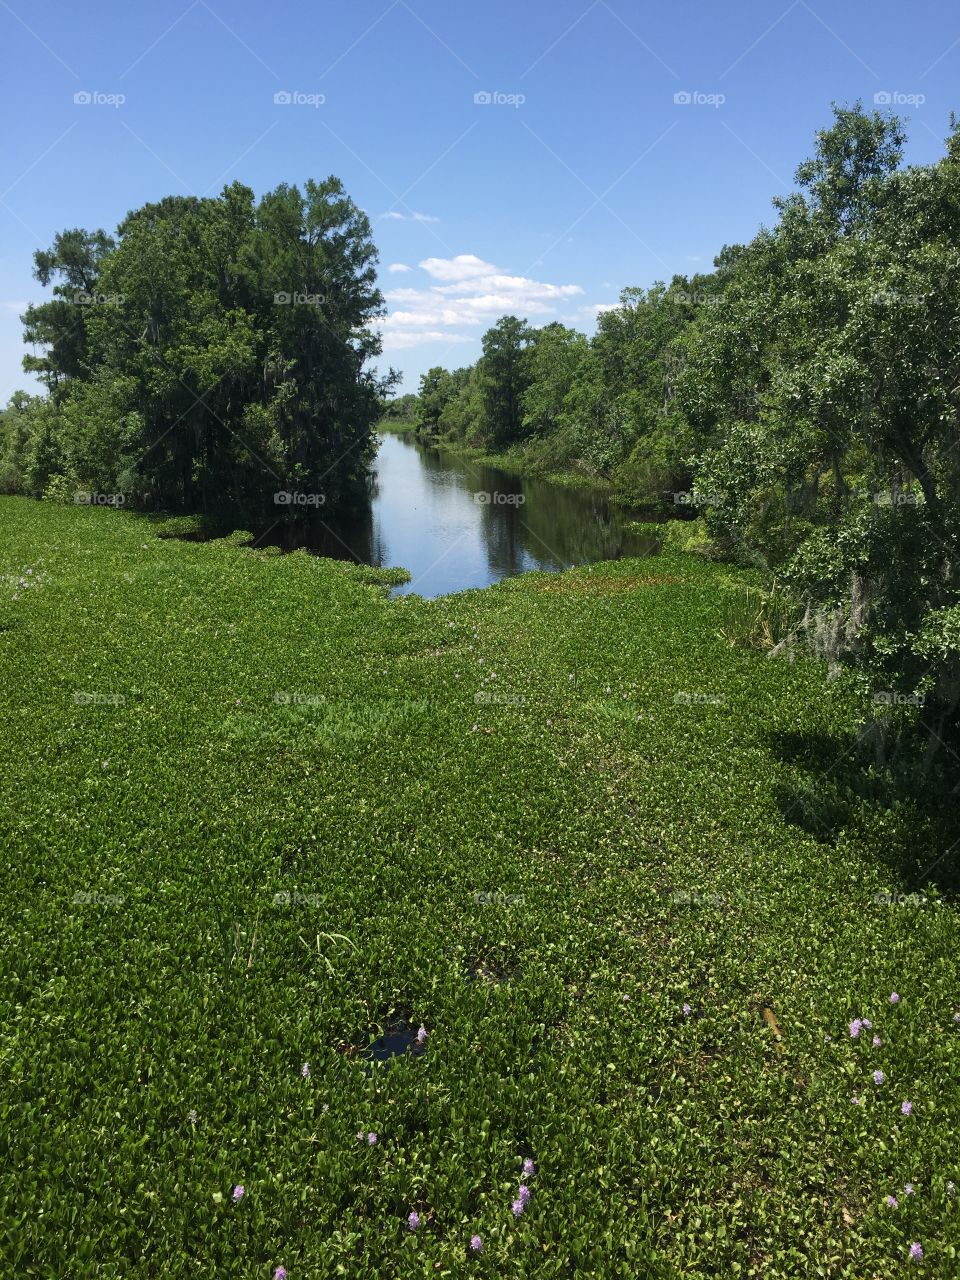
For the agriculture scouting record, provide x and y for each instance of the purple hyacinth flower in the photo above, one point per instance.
(529, 1168)
(413, 1220)
(238, 1193)
(894, 998)
(916, 1251)
(878, 1077)
(372, 1139)
(891, 1202)
(524, 1193)
(877, 1042)
(518, 1207)
(359, 1135)
(855, 1100)
(906, 1108)
(855, 1028)
(421, 1035)
(687, 1011)
(476, 1244)
(867, 1023)
(908, 1189)
(305, 1071)
(280, 1273)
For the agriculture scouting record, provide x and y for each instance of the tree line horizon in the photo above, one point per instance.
(806, 391)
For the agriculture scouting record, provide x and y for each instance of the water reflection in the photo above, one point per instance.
(455, 524)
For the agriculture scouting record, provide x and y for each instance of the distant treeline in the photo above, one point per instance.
(804, 397)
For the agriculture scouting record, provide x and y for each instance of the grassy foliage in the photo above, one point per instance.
(255, 815)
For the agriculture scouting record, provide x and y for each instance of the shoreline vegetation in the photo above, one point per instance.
(561, 836)
(607, 917)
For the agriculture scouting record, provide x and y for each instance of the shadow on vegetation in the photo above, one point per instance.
(845, 782)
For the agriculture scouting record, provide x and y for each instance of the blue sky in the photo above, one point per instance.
(580, 176)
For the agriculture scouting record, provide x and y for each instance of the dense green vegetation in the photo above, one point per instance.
(804, 398)
(633, 882)
(209, 358)
(664, 930)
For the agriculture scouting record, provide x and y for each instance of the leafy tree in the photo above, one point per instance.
(222, 357)
(59, 327)
(826, 392)
(503, 380)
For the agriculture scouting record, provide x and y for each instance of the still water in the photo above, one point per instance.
(455, 524)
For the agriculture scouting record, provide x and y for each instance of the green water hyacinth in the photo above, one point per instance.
(250, 887)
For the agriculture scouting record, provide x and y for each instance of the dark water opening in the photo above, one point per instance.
(456, 524)
(398, 1038)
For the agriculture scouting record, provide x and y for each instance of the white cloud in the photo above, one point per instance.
(395, 216)
(595, 308)
(402, 340)
(463, 267)
(399, 266)
(469, 293)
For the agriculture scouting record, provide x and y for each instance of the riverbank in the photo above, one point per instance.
(625, 877)
(521, 463)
